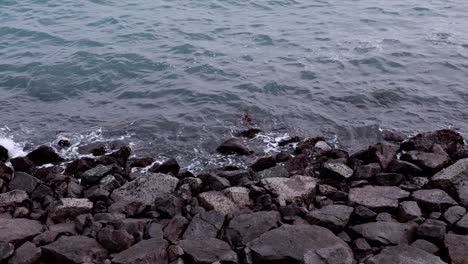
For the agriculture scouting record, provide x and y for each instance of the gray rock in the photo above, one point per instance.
(147, 251)
(385, 217)
(389, 179)
(378, 198)
(404, 167)
(143, 190)
(239, 195)
(6, 250)
(386, 233)
(452, 175)
(246, 227)
(334, 217)
(426, 246)
(135, 227)
(45, 238)
(454, 213)
(432, 229)
(457, 245)
(168, 206)
(23, 181)
(214, 182)
(433, 199)
(384, 153)
(363, 214)
(13, 198)
(337, 170)
(233, 146)
(404, 254)
(462, 193)
(70, 208)
(409, 210)
(175, 228)
(447, 139)
(208, 251)
(214, 200)
(307, 244)
(18, 230)
(74, 250)
(114, 240)
(95, 174)
(236, 177)
(27, 253)
(275, 172)
(367, 171)
(204, 225)
(462, 225)
(155, 230)
(296, 187)
(428, 161)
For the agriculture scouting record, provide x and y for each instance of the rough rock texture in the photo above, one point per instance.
(43, 155)
(28, 253)
(386, 233)
(74, 250)
(13, 198)
(462, 225)
(246, 227)
(214, 200)
(409, 210)
(18, 230)
(462, 193)
(404, 254)
(23, 181)
(296, 187)
(146, 251)
(451, 176)
(335, 169)
(69, 208)
(233, 146)
(457, 245)
(208, 251)
(453, 214)
(378, 198)
(334, 217)
(204, 225)
(433, 199)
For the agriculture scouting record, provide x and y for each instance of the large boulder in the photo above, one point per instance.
(69, 208)
(95, 174)
(377, 198)
(204, 225)
(451, 176)
(143, 190)
(44, 155)
(296, 244)
(453, 214)
(296, 187)
(18, 230)
(146, 251)
(462, 193)
(428, 161)
(404, 254)
(447, 139)
(208, 251)
(74, 250)
(334, 217)
(27, 253)
(246, 227)
(386, 233)
(23, 181)
(433, 200)
(457, 248)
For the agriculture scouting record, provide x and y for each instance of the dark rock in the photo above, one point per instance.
(175, 228)
(283, 156)
(433, 200)
(208, 251)
(276, 171)
(77, 167)
(23, 181)
(135, 227)
(236, 177)
(457, 245)
(147, 251)
(140, 162)
(3, 154)
(404, 167)
(28, 253)
(45, 238)
(428, 161)
(95, 174)
(69, 208)
(74, 250)
(384, 153)
(385, 217)
(334, 217)
(300, 244)
(462, 225)
(67, 229)
(378, 198)
(296, 187)
(462, 193)
(41, 192)
(363, 214)
(426, 246)
(64, 143)
(338, 170)
(168, 206)
(6, 250)
(447, 139)
(289, 140)
(409, 210)
(170, 166)
(433, 230)
(214, 182)
(451, 176)
(114, 240)
(404, 254)
(121, 155)
(388, 179)
(299, 164)
(204, 225)
(22, 164)
(454, 213)
(367, 171)
(263, 163)
(5, 172)
(44, 155)
(13, 198)
(18, 230)
(233, 146)
(386, 233)
(246, 227)
(361, 248)
(250, 133)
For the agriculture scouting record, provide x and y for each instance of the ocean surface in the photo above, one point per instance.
(176, 77)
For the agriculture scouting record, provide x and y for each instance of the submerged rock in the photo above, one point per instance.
(233, 146)
(44, 155)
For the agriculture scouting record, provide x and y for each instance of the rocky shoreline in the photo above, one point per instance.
(398, 201)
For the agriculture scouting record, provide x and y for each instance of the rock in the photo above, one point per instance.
(23, 181)
(386, 233)
(174, 229)
(5, 172)
(147, 251)
(214, 182)
(296, 187)
(384, 153)
(246, 227)
(433, 230)
(208, 251)
(363, 214)
(143, 190)
(22, 164)
(404, 167)
(13, 198)
(462, 193)
(428, 161)
(263, 163)
(274, 172)
(233, 146)
(426, 246)
(170, 166)
(114, 240)
(95, 174)
(457, 245)
(367, 171)
(385, 217)
(45, 238)
(44, 155)
(69, 208)
(433, 199)
(389, 179)
(404, 254)
(408, 211)
(214, 200)
(462, 225)
(447, 139)
(250, 133)
(140, 162)
(6, 250)
(204, 225)
(3, 154)
(300, 244)
(334, 217)
(135, 227)
(28, 253)
(74, 250)
(378, 198)
(451, 176)
(168, 206)
(453, 214)
(339, 170)
(239, 195)
(236, 177)
(18, 230)
(155, 231)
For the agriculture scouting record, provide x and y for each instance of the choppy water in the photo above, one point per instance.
(177, 75)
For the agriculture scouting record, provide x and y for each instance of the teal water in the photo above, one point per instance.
(177, 75)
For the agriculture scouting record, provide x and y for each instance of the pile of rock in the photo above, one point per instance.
(394, 202)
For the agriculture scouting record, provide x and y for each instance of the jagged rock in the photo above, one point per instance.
(45, 238)
(447, 139)
(378, 198)
(404, 254)
(74, 250)
(462, 225)
(135, 227)
(404, 167)
(140, 162)
(18, 230)
(5, 171)
(204, 225)
(432, 229)
(170, 166)
(114, 240)
(95, 174)
(6, 250)
(339, 170)
(69, 208)
(384, 153)
(174, 229)
(334, 217)
(428, 161)
(451, 176)
(389, 179)
(77, 167)
(168, 206)
(22, 164)
(408, 211)
(214, 200)
(239, 195)
(462, 193)
(367, 171)
(426, 246)
(236, 177)
(274, 172)
(457, 245)
(386, 233)
(214, 182)
(300, 244)
(23, 181)
(146, 251)
(385, 217)
(13, 198)
(454, 213)
(361, 248)
(263, 163)
(363, 214)
(208, 251)
(250, 133)
(296, 187)
(246, 227)
(233, 146)
(143, 190)
(433, 199)
(44, 155)
(27, 253)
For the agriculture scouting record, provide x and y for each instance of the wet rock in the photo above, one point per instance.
(300, 244)
(69, 208)
(13, 198)
(334, 217)
(409, 210)
(23, 181)
(462, 193)
(404, 167)
(18, 230)
(433, 200)
(428, 161)
(28, 253)
(447, 139)
(114, 240)
(236, 177)
(274, 172)
(233, 146)
(140, 162)
(214, 182)
(214, 200)
(296, 187)
(250, 133)
(386, 233)
(426, 246)
(283, 156)
(143, 190)
(367, 171)
(95, 174)
(120, 156)
(263, 163)
(175, 228)
(239, 195)
(77, 167)
(432, 230)
(74, 250)
(454, 213)
(462, 225)
(389, 179)
(378, 198)
(457, 245)
(146, 251)
(6, 250)
(170, 166)
(44, 155)
(404, 254)
(5, 172)
(246, 227)
(22, 164)
(204, 225)
(338, 170)
(208, 251)
(451, 176)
